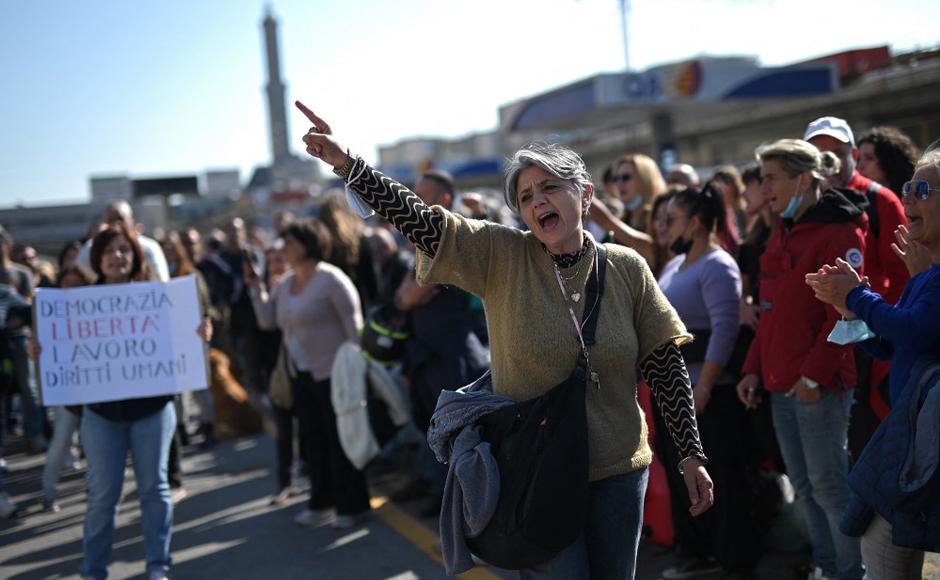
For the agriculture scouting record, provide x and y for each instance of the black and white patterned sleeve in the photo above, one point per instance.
(665, 372)
(399, 205)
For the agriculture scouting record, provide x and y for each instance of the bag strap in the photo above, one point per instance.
(289, 365)
(594, 292)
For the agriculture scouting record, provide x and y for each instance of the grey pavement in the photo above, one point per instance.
(225, 529)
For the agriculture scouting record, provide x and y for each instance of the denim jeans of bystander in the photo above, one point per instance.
(106, 445)
(64, 426)
(813, 440)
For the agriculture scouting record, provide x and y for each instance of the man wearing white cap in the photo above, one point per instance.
(884, 269)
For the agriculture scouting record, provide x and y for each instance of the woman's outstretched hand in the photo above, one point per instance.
(319, 140)
(914, 255)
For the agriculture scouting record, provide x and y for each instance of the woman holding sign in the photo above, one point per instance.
(142, 426)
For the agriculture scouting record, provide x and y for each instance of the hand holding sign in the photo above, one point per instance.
(319, 142)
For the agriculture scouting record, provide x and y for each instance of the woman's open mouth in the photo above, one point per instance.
(548, 220)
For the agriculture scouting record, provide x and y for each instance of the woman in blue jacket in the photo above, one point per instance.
(902, 333)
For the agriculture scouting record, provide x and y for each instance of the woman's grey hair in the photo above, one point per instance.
(556, 159)
(930, 158)
(796, 156)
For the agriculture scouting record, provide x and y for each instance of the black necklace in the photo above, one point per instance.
(569, 260)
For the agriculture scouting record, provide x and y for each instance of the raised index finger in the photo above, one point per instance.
(309, 114)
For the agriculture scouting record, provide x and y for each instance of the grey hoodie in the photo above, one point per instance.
(471, 490)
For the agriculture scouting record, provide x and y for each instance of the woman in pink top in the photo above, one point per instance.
(316, 307)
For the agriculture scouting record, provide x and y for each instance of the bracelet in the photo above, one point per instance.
(700, 456)
(343, 172)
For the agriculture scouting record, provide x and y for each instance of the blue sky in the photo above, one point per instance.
(146, 87)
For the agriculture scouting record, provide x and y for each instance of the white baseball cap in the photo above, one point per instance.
(831, 126)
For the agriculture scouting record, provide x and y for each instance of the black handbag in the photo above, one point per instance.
(541, 448)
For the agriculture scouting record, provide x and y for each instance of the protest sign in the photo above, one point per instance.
(119, 341)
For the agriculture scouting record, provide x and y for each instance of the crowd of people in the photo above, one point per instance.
(775, 312)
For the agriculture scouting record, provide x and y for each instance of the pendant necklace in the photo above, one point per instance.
(579, 257)
(575, 296)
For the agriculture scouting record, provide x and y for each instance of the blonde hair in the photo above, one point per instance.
(796, 156)
(346, 230)
(649, 182)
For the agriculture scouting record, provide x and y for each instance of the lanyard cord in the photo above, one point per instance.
(574, 320)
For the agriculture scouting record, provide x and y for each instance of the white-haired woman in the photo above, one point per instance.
(902, 333)
(519, 277)
(811, 381)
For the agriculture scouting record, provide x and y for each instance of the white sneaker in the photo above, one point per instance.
(818, 574)
(7, 507)
(341, 522)
(158, 575)
(282, 496)
(315, 518)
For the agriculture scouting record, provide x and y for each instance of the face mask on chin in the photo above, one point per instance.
(795, 201)
(634, 204)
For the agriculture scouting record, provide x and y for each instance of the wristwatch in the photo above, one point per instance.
(810, 383)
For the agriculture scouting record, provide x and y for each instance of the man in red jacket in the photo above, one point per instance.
(884, 269)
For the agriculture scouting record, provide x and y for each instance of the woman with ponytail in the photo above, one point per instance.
(810, 380)
(703, 283)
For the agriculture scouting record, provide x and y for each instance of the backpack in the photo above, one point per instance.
(541, 448)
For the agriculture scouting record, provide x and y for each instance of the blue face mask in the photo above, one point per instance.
(634, 203)
(790, 211)
(795, 201)
(850, 332)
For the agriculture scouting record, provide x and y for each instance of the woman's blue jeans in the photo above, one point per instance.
(813, 440)
(607, 548)
(106, 444)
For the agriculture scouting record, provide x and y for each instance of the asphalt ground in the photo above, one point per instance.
(225, 529)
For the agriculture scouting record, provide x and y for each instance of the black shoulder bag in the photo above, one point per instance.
(541, 448)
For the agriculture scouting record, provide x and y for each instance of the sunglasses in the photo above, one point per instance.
(622, 178)
(919, 189)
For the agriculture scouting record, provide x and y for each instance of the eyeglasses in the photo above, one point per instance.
(622, 178)
(919, 189)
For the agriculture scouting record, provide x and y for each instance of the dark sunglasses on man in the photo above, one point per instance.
(919, 189)
(622, 178)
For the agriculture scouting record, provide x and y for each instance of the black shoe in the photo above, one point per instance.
(414, 489)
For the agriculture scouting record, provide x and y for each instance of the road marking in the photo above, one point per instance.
(420, 535)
